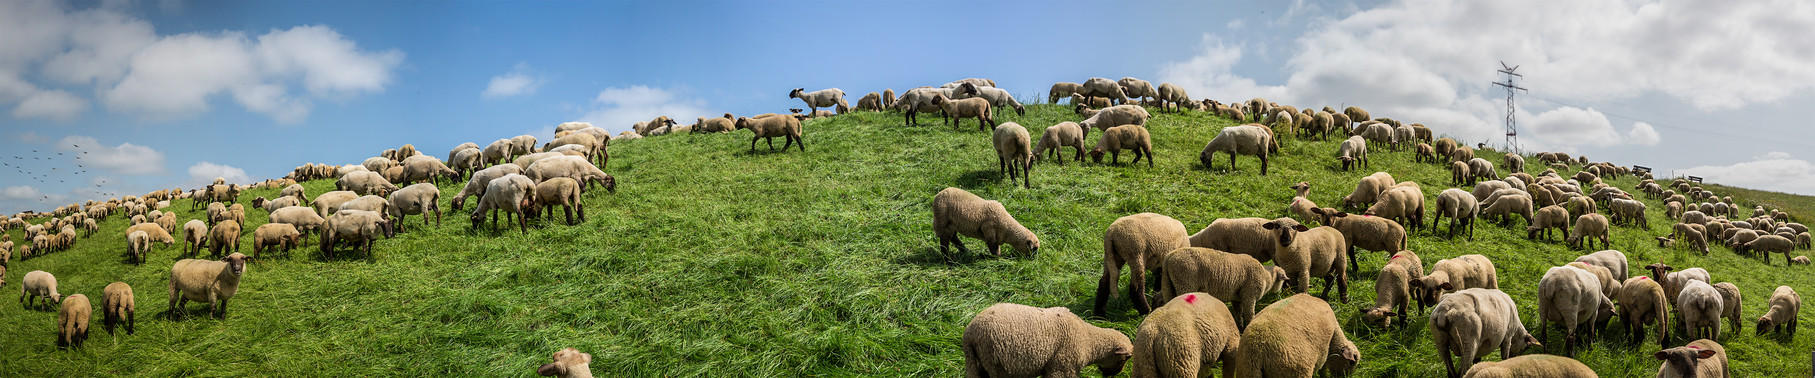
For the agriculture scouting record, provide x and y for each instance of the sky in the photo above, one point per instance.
(99, 99)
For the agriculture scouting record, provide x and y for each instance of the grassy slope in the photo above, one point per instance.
(710, 259)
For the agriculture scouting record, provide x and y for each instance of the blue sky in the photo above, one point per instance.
(173, 93)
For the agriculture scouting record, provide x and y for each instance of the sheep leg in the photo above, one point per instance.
(1137, 287)
(753, 143)
(569, 210)
(1263, 164)
(1112, 266)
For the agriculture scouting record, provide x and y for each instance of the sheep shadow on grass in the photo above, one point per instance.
(930, 257)
(974, 180)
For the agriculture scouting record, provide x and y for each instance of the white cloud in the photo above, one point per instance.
(204, 173)
(52, 104)
(1643, 134)
(32, 137)
(1237, 24)
(175, 76)
(1431, 61)
(21, 192)
(126, 158)
(519, 81)
(1777, 171)
(617, 109)
(100, 43)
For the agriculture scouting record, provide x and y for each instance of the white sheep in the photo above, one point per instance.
(1460, 207)
(1571, 296)
(1700, 358)
(1138, 241)
(1472, 323)
(1186, 336)
(1013, 153)
(1296, 337)
(1700, 307)
(1237, 277)
(1258, 237)
(511, 193)
(1785, 306)
(1012, 340)
(1124, 137)
(1589, 226)
(213, 282)
(1244, 140)
(958, 212)
(1064, 134)
(1351, 151)
(1133, 87)
(39, 286)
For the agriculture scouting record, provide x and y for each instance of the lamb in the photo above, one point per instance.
(1368, 189)
(510, 193)
(1472, 323)
(1237, 277)
(1129, 137)
(569, 363)
(1785, 305)
(1700, 306)
(1062, 90)
(39, 286)
(1768, 244)
(1451, 275)
(304, 219)
(1351, 150)
(561, 191)
(767, 128)
(1392, 293)
(1295, 337)
(153, 233)
(1248, 139)
(1137, 241)
(275, 235)
(213, 282)
(1012, 340)
(1799, 260)
(1365, 232)
(958, 212)
(72, 320)
(223, 236)
(1316, 253)
(1301, 205)
(117, 306)
(966, 108)
(1404, 204)
(1257, 237)
(1589, 226)
(1571, 296)
(359, 226)
(1700, 358)
(1013, 152)
(1061, 135)
(1460, 207)
(1186, 336)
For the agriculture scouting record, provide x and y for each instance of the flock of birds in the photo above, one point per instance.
(49, 175)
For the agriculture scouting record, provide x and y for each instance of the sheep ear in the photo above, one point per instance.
(550, 369)
(1123, 351)
(1270, 226)
(1661, 355)
(1705, 353)
(1446, 286)
(1301, 228)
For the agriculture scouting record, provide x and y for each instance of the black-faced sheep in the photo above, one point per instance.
(511, 193)
(571, 167)
(1103, 88)
(1012, 340)
(1129, 137)
(1785, 306)
(1472, 323)
(223, 237)
(1257, 237)
(1234, 140)
(1353, 150)
(1700, 358)
(1062, 90)
(768, 128)
(958, 212)
(208, 281)
(1185, 337)
(1317, 252)
(1301, 204)
(1589, 227)
(1138, 241)
(1296, 337)
(559, 191)
(1365, 232)
(958, 110)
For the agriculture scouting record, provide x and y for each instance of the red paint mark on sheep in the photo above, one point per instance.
(1191, 299)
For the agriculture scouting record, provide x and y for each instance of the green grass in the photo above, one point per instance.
(714, 261)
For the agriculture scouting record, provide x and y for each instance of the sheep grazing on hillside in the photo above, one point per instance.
(1589, 227)
(1473, 323)
(1013, 155)
(1296, 337)
(824, 98)
(1460, 207)
(1064, 134)
(1244, 140)
(958, 212)
(1186, 336)
(1097, 87)
(1700, 358)
(1353, 150)
(1012, 340)
(1571, 296)
(1785, 305)
(1237, 277)
(1062, 90)
(1700, 307)
(1365, 232)
(1367, 189)
(1124, 137)
(1173, 96)
(1138, 241)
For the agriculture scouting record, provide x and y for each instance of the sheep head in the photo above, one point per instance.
(566, 361)
(237, 263)
(1683, 359)
(796, 92)
(1764, 323)
(1286, 229)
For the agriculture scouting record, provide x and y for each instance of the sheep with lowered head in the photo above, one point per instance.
(1460, 207)
(1115, 116)
(511, 193)
(1012, 340)
(72, 320)
(1061, 135)
(1472, 323)
(1138, 241)
(1062, 90)
(1124, 137)
(273, 236)
(1393, 290)
(419, 199)
(1237, 277)
(1700, 358)
(1351, 151)
(1785, 304)
(1589, 226)
(1403, 204)
(1013, 153)
(1133, 87)
(1531, 365)
(958, 212)
(1244, 140)
(1317, 252)
(1296, 337)
(1571, 296)
(1186, 336)
(358, 226)
(39, 286)
(1367, 189)
(569, 363)
(117, 307)
(1451, 275)
(212, 282)
(1700, 307)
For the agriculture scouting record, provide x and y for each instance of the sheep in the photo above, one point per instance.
(958, 212)
(562, 191)
(1260, 238)
(1799, 260)
(39, 286)
(1184, 337)
(330, 202)
(1473, 323)
(1589, 226)
(1062, 90)
(1139, 241)
(510, 193)
(1392, 293)
(1012, 340)
(1115, 116)
(571, 167)
(418, 199)
(1641, 302)
(1700, 307)
(1785, 304)
(1301, 204)
(1317, 252)
(1129, 137)
(915, 101)
(1572, 296)
(1248, 139)
(1506, 206)
(1629, 211)
(1132, 87)
(1351, 150)
(1462, 153)
(365, 183)
(138, 244)
(1367, 189)
(1533, 365)
(213, 282)
(1481, 169)
(1694, 234)
(153, 234)
(1768, 244)
(1451, 275)
(1365, 232)
(1295, 337)
(1700, 358)
(728, 123)
(273, 205)
(72, 320)
(1403, 204)
(223, 236)
(275, 235)
(966, 108)
(1484, 189)
(1173, 95)
(1061, 135)
(569, 363)
(1460, 207)
(767, 128)
(998, 99)
(304, 219)
(1013, 152)
(117, 306)
(870, 102)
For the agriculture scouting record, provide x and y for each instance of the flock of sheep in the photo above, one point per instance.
(1212, 281)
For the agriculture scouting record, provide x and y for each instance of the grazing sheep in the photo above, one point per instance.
(1392, 294)
(1237, 277)
(1133, 87)
(1462, 153)
(1296, 337)
(916, 101)
(1481, 169)
(1172, 95)
(213, 282)
(571, 167)
(1473, 323)
(958, 110)
(72, 320)
(1768, 244)
(1129, 137)
(569, 363)
(1505, 207)
(1062, 90)
(1239, 140)
(1061, 135)
(767, 128)
(1451, 275)
(1785, 305)
(1531, 365)
(154, 234)
(1013, 152)
(1351, 150)
(1012, 340)
(330, 202)
(1545, 219)
(998, 99)
(561, 191)
(870, 102)
(117, 306)
(1641, 302)
(1186, 336)
(1730, 300)
(511, 193)
(1368, 189)
(1365, 232)
(1138, 241)
(1301, 205)
(223, 236)
(1258, 237)
(1403, 204)
(1571, 296)
(358, 226)
(1700, 306)
(365, 183)
(958, 212)
(39, 287)
(1589, 226)
(304, 219)
(275, 235)
(418, 199)
(1700, 358)
(1317, 252)
(1460, 207)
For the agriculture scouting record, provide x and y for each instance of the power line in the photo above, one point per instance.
(1666, 125)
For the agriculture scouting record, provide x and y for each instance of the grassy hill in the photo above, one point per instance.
(713, 261)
